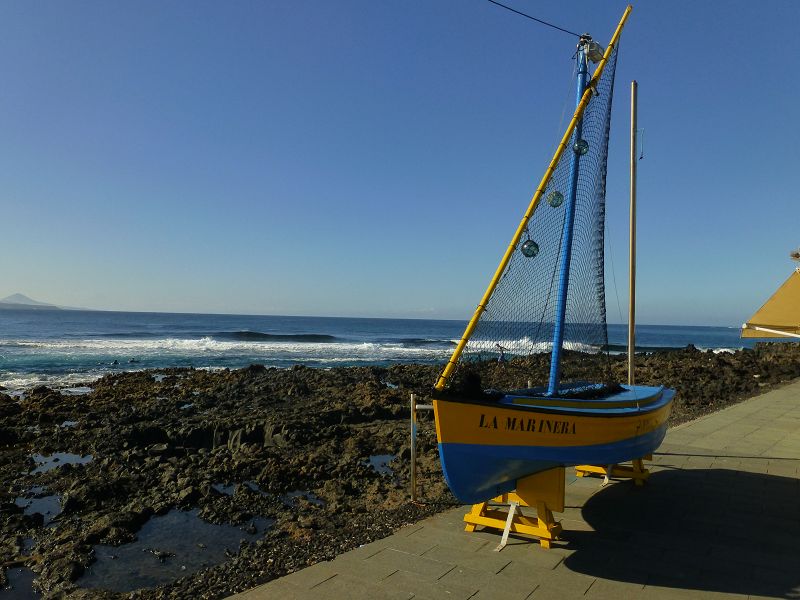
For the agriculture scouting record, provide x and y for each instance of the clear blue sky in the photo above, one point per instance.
(372, 158)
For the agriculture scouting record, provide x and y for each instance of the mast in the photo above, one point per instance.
(632, 251)
(578, 148)
(537, 196)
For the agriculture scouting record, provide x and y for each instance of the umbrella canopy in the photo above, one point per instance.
(780, 315)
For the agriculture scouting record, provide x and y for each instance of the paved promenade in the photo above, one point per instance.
(719, 518)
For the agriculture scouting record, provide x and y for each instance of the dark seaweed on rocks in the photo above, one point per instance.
(302, 430)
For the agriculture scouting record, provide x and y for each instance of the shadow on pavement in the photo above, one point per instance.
(699, 529)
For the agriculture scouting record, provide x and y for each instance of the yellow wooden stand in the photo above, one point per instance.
(543, 491)
(636, 471)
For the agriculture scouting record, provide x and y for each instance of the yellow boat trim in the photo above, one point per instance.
(495, 425)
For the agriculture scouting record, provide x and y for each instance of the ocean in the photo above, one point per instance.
(65, 347)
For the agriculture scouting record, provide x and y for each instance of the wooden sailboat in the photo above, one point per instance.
(492, 440)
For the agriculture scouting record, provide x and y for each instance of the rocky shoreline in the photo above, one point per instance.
(307, 463)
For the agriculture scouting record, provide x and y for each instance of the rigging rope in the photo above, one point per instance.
(535, 19)
(613, 272)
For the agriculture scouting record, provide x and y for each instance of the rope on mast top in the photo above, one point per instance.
(532, 18)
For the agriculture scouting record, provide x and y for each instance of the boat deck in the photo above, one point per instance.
(718, 519)
(630, 399)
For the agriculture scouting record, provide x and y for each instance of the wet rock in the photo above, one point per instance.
(35, 519)
(144, 435)
(8, 437)
(161, 555)
(308, 522)
(188, 496)
(157, 450)
(254, 370)
(117, 527)
(73, 570)
(8, 406)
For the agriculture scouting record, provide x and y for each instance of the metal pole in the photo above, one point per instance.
(632, 249)
(413, 448)
(775, 331)
(569, 221)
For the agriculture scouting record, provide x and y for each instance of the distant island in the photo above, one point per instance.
(23, 302)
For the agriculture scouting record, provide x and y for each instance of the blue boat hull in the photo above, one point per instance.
(477, 469)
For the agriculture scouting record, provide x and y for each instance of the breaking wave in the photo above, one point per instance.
(27, 363)
(255, 336)
(68, 352)
(526, 346)
(241, 335)
(289, 344)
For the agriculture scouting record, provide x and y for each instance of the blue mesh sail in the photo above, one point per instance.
(520, 316)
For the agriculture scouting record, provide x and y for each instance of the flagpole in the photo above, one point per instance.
(632, 250)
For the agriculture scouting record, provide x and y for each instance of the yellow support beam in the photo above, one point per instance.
(636, 471)
(543, 491)
(579, 110)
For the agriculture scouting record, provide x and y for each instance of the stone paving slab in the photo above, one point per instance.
(718, 519)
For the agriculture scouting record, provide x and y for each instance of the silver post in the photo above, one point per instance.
(413, 448)
(632, 251)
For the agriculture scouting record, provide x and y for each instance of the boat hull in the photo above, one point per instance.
(485, 447)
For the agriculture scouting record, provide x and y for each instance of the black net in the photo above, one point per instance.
(512, 343)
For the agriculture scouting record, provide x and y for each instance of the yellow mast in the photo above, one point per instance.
(579, 110)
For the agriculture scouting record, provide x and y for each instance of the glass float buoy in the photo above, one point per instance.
(555, 199)
(581, 147)
(530, 248)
